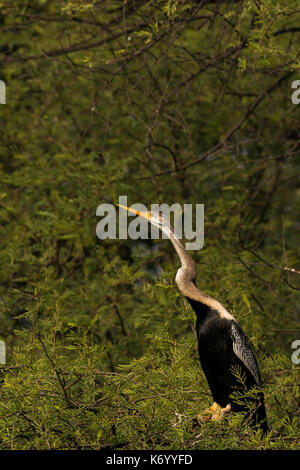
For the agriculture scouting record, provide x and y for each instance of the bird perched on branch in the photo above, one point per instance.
(225, 352)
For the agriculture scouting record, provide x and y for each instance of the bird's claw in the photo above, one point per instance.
(213, 413)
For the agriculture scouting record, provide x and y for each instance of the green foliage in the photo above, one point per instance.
(167, 101)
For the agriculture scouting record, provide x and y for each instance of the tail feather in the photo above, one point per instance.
(258, 418)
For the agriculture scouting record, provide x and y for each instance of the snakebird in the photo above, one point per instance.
(225, 352)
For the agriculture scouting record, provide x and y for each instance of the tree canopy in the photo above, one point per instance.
(166, 101)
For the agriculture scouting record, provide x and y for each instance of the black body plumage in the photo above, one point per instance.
(226, 357)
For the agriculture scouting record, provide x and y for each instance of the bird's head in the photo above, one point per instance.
(154, 218)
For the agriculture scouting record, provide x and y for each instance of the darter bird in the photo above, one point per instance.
(225, 352)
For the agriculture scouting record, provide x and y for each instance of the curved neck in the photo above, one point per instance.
(185, 278)
(188, 265)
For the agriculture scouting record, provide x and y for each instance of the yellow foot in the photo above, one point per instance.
(213, 413)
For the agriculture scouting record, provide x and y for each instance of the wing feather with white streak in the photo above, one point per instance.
(242, 349)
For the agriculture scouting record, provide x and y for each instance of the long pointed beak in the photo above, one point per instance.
(146, 215)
